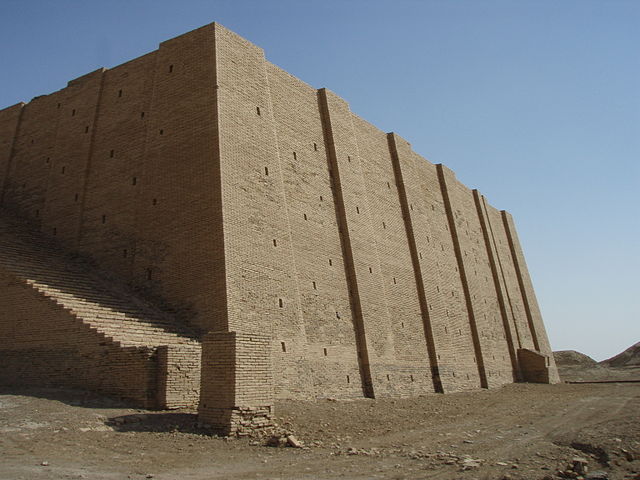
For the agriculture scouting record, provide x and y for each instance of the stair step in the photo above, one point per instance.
(122, 320)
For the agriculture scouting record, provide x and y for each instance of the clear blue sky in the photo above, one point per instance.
(534, 102)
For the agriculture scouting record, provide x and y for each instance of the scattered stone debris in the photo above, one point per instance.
(293, 442)
(577, 469)
(597, 475)
(281, 440)
(469, 463)
(627, 455)
(332, 450)
(276, 441)
(579, 465)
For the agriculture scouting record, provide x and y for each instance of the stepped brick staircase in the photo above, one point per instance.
(64, 323)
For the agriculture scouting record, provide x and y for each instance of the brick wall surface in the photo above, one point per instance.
(9, 125)
(179, 375)
(454, 362)
(536, 325)
(508, 275)
(262, 293)
(111, 194)
(536, 367)
(492, 347)
(408, 361)
(237, 393)
(326, 355)
(43, 344)
(244, 200)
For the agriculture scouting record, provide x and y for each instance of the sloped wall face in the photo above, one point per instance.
(507, 278)
(262, 292)
(368, 266)
(406, 355)
(119, 166)
(532, 310)
(491, 342)
(9, 122)
(452, 356)
(44, 345)
(328, 341)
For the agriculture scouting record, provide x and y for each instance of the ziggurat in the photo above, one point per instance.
(199, 227)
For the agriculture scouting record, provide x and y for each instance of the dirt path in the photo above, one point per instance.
(517, 432)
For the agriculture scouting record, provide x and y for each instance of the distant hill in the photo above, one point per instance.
(571, 357)
(630, 357)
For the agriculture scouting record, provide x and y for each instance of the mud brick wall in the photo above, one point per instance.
(407, 353)
(532, 310)
(262, 293)
(9, 122)
(248, 201)
(43, 344)
(237, 382)
(536, 367)
(322, 357)
(117, 166)
(179, 379)
(491, 343)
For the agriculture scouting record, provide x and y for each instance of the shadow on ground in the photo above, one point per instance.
(68, 396)
(158, 422)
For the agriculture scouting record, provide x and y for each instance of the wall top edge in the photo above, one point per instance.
(15, 106)
(216, 28)
(79, 80)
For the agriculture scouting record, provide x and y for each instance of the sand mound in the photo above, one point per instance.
(571, 357)
(630, 357)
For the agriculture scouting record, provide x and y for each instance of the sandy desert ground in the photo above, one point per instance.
(521, 431)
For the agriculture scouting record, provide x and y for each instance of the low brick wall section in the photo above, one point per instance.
(46, 345)
(536, 367)
(236, 393)
(124, 373)
(178, 375)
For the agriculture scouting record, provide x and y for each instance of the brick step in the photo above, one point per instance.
(115, 314)
(133, 328)
(98, 301)
(130, 340)
(99, 304)
(105, 320)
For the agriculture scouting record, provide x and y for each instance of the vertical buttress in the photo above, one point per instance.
(347, 251)
(510, 333)
(424, 307)
(463, 277)
(11, 153)
(87, 170)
